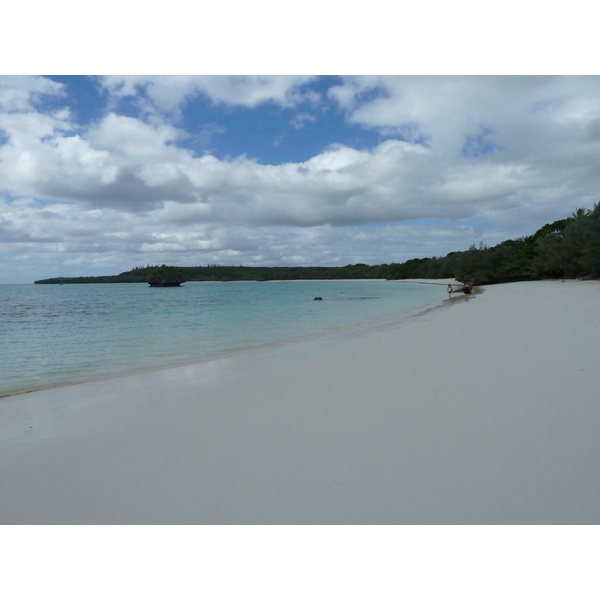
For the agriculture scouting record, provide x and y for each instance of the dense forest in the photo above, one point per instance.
(567, 248)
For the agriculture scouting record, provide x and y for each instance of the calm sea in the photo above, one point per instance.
(59, 334)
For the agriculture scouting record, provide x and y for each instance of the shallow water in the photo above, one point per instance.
(59, 334)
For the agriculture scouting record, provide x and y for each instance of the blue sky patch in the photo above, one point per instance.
(84, 97)
(480, 143)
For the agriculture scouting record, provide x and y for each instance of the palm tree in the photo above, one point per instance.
(580, 213)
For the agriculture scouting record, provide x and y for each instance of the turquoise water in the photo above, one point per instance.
(58, 334)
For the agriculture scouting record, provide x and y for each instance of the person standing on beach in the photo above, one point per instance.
(467, 289)
(450, 290)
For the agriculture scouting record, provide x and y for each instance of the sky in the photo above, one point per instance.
(457, 142)
(99, 174)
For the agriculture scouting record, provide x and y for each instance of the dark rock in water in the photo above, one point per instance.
(164, 284)
(166, 277)
(318, 298)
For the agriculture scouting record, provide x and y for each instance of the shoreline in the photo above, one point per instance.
(485, 413)
(365, 327)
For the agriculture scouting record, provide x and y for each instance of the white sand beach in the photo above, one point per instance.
(485, 412)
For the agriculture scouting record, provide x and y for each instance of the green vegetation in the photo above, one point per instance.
(566, 248)
(165, 276)
(238, 273)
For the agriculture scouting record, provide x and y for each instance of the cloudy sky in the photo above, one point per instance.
(99, 174)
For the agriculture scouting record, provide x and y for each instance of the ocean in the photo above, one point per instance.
(53, 335)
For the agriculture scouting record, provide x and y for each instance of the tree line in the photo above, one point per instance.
(235, 273)
(566, 248)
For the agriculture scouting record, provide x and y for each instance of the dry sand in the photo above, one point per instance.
(486, 412)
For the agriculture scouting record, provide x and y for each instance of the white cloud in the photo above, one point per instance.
(133, 166)
(445, 109)
(110, 240)
(132, 138)
(300, 120)
(19, 94)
